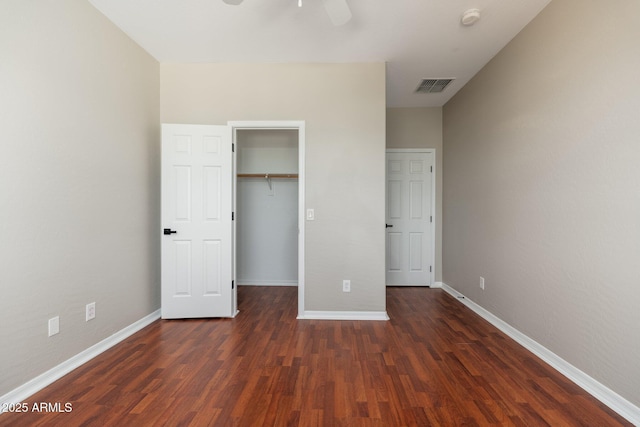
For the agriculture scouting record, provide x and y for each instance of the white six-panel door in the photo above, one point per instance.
(409, 218)
(196, 221)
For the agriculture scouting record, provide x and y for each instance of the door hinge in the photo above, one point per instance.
(233, 216)
(233, 148)
(430, 269)
(431, 218)
(431, 169)
(233, 284)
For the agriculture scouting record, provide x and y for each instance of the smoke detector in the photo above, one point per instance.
(470, 17)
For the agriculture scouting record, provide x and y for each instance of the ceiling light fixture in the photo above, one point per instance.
(338, 10)
(470, 17)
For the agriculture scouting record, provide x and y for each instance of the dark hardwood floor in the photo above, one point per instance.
(435, 363)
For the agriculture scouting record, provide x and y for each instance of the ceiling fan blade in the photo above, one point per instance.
(233, 2)
(338, 11)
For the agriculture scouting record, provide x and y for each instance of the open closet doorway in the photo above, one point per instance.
(269, 205)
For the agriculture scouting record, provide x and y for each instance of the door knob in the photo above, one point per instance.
(168, 231)
(388, 225)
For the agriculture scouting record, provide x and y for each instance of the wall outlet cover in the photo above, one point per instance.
(90, 311)
(54, 325)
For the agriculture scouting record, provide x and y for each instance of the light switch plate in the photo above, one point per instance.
(311, 214)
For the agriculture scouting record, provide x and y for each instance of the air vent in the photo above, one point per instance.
(433, 85)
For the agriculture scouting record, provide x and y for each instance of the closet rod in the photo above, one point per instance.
(267, 175)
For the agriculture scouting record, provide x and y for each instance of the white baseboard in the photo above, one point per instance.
(343, 315)
(435, 285)
(267, 283)
(31, 387)
(405, 285)
(601, 392)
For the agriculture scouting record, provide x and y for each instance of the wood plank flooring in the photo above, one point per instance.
(435, 363)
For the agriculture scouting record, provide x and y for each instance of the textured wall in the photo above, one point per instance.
(542, 187)
(79, 183)
(421, 128)
(344, 109)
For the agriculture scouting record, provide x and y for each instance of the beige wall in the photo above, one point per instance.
(542, 187)
(344, 109)
(79, 186)
(421, 128)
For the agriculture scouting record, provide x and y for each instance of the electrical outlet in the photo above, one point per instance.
(90, 311)
(482, 283)
(346, 286)
(54, 325)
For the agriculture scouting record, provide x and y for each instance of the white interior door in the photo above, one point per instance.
(196, 221)
(409, 218)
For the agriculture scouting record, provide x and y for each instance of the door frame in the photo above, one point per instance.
(433, 204)
(276, 125)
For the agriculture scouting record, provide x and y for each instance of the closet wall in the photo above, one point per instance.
(267, 211)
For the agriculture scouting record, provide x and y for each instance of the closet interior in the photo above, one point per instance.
(267, 207)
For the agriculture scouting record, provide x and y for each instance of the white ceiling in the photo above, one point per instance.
(416, 38)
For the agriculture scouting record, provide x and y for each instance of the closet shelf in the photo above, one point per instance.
(267, 175)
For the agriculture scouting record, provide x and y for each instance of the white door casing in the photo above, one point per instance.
(410, 219)
(196, 205)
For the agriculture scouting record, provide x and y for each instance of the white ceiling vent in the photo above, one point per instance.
(433, 85)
